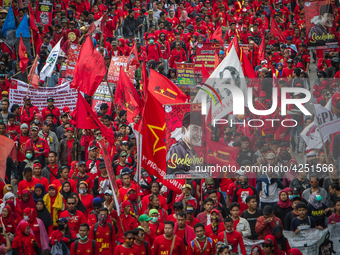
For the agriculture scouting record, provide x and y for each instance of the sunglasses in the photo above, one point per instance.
(98, 134)
(71, 203)
(266, 246)
(122, 156)
(142, 235)
(130, 239)
(313, 182)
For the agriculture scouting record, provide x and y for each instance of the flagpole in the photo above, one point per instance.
(323, 143)
(33, 47)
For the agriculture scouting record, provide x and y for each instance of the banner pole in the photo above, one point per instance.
(33, 47)
(323, 143)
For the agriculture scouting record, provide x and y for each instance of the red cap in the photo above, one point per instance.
(66, 109)
(299, 65)
(37, 165)
(214, 210)
(125, 203)
(70, 129)
(262, 94)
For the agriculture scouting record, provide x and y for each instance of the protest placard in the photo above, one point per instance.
(116, 63)
(102, 95)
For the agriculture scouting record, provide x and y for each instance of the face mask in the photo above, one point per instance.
(61, 226)
(82, 191)
(132, 197)
(244, 183)
(200, 238)
(102, 219)
(230, 231)
(318, 198)
(98, 137)
(277, 236)
(290, 197)
(83, 238)
(228, 133)
(154, 219)
(29, 155)
(26, 218)
(151, 41)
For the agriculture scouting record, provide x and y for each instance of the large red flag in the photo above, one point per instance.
(87, 119)
(262, 49)
(90, 69)
(23, 56)
(217, 35)
(248, 69)
(276, 31)
(153, 146)
(33, 77)
(125, 96)
(6, 146)
(164, 90)
(35, 31)
(133, 57)
(205, 73)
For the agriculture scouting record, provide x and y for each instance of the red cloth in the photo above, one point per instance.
(157, 228)
(234, 239)
(74, 221)
(126, 251)
(84, 248)
(285, 204)
(27, 115)
(162, 245)
(22, 240)
(188, 232)
(24, 186)
(210, 233)
(106, 240)
(57, 235)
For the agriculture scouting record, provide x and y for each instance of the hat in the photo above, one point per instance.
(191, 27)
(198, 19)
(47, 36)
(209, 181)
(97, 202)
(268, 209)
(34, 128)
(302, 45)
(290, 60)
(150, 11)
(289, 38)
(262, 94)
(296, 93)
(140, 227)
(24, 125)
(27, 98)
(214, 210)
(299, 65)
(296, 190)
(271, 156)
(4, 11)
(152, 211)
(123, 143)
(37, 165)
(269, 47)
(63, 115)
(232, 23)
(70, 129)
(123, 154)
(63, 220)
(92, 147)
(29, 148)
(268, 242)
(239, 172)
(188, 186)
(144, 217)
(189, 209)
(47, 123)
(58, 6)
(63, 20)
(66, 109)
(4, 93)
(125, 203)
(82, 163)
(114, 43)
(101, 165)
(127, 170)
(109, 192)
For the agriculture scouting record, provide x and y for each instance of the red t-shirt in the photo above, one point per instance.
(157, 228)
(74, 221)
(69, 151)
(121, 250)
(27, 185)
(162, 245)
(105, 239)
(84, 248)
(21, 156)
(235, 222)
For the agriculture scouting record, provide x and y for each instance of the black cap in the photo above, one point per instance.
(290, 60)
(101, 165)
(268, 209)
(104, 106)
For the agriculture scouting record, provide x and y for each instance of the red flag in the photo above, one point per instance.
(217, 60)
(91, 28)
(6, 146)
(248, 69)
(237, 46)
(164, 90)
(262, 49)
(145, 79)
(90, 69)
(205, 73)
(33, 77)
(23, 56)
(91, 120)
(35, 31)
(276, 31)
(133, 57)
(33, 25)
(102, 22)
(217, 35)
(153, 146)
(125, 96)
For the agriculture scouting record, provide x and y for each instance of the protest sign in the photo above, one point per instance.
(43, 13)
(334, 237)
(185, 74)
(102, 95)
(205, 54)
(320, 25)
(307, 241)
(62, 95)
(184, 139)
(249, 245)
(114, 69)
(72, 57)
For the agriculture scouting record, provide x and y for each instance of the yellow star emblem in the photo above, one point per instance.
(154, 129)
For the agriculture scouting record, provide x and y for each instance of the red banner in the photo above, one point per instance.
(114, 69)
(205, 54)
(43, 13)
(72, 57)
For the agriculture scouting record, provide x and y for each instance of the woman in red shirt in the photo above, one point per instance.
(8, 221)
(24, 242)
(85, 197)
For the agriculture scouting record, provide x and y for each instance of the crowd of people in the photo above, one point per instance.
(57, 197)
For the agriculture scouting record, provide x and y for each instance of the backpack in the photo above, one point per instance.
(257, 38)
(147, 47)
(110, 227)
(93, 246)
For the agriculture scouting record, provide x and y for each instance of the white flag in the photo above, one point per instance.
(328, 121)
(311, 135)
(229, 71)
(50, 62)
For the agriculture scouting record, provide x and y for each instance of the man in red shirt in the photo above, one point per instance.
(168, 242)
(29, 182)
(288, 71)
(200, 27)
(129, 221)
(64, 173)
(28, 111)
(51, 109)
(75, 217)
(40, 145)
(84, 245)
(153, 50)
(231, 33)
(72, 32)
(262, 102)
(37, 175)
(20, 143)
(99, 232)
(177, 55)
(143, 246)
(201, 245)
(233, 237)
(127, 248)
(51, 172)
